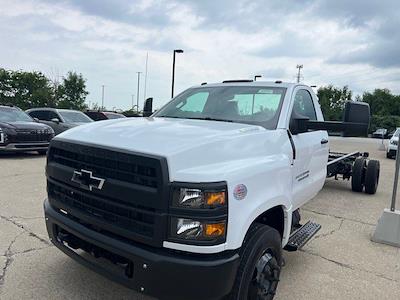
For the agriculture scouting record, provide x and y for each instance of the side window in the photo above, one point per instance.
(195, 103)
(53, 115)
(303, 105)
(40, 114)
(34, 114)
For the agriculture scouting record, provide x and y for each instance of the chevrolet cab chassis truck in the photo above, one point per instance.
(198, 200)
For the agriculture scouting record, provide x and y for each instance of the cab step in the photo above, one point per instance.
(302, 235)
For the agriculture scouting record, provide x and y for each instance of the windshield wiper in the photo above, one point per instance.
(197, 118)
(210, 119)
(170, 117)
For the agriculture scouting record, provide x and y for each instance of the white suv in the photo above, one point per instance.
(392, 148)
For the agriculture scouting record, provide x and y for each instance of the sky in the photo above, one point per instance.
(339, 42)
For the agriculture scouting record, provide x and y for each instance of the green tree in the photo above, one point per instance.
(382, 102)
(332, 101)
(72, 92)
(25, 89)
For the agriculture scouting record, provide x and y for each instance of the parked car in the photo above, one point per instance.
(19, 132)
(97, 115)
(392, 148)
(59, 119)
(200, 203)
(390, 135)
(380, 133)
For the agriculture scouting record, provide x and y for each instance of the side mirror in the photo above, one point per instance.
(298, 123)
(55, 120)
(357, 117)
(148, 107)
(36, 120)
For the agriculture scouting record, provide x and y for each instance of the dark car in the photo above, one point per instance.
(59, 119)
(103, 115)
(380, 133)
(19, 132)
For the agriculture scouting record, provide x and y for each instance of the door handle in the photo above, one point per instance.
(324, 141)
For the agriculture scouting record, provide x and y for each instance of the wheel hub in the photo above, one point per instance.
(265, 278)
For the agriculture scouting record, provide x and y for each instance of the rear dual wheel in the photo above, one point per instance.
(372, 177)
(365, 175)
(358, 174)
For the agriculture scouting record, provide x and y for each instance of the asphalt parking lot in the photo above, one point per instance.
(339, 263)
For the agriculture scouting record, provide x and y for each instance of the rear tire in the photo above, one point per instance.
(388, 155)
(372, 177)
(358, 175)
(260, 265)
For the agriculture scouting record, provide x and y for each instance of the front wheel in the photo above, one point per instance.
(260, 265)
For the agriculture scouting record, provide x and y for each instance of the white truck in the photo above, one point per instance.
(198, 200)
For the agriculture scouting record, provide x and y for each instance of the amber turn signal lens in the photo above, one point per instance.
(215, 230)
(215, 198)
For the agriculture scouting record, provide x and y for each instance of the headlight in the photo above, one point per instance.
(198, 198)
(50, 131)
(393, 142)
(199, 213)
(2, 137)
(195, 230)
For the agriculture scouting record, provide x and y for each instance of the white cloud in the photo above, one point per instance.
(109, 50)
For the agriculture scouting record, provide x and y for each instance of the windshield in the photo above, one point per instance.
(397, 133)
(241, 104)
(13, 115)
(114, 115)
(74, 116)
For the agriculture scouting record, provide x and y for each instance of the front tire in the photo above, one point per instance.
(260, 265)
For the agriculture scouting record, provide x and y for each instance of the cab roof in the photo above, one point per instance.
(287, 85)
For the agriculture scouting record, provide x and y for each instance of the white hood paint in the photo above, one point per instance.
(193, 148)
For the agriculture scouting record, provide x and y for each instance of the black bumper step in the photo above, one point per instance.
(302, 235)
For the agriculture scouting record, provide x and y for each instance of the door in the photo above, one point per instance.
(58, 127)
(312, 150)
(45, 117)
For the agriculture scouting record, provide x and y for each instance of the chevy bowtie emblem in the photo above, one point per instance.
(87, 181)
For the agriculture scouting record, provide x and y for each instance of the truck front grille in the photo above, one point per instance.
(129, 218)
(132, 203)
(112, 165)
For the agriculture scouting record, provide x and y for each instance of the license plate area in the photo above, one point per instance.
(112, 263)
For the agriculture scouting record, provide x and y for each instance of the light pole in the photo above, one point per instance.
(173, 70)
(298, 73)
(102, 97)
(137, 94)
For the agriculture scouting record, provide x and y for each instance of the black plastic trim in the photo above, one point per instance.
(167, 275)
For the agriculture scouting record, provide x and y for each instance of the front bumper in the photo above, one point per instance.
(17, 147)
(158, 272)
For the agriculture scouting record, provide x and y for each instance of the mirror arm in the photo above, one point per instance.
(348, 128)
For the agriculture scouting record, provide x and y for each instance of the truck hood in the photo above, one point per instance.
(187, 144)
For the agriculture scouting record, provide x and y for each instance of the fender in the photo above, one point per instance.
(282, 201)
